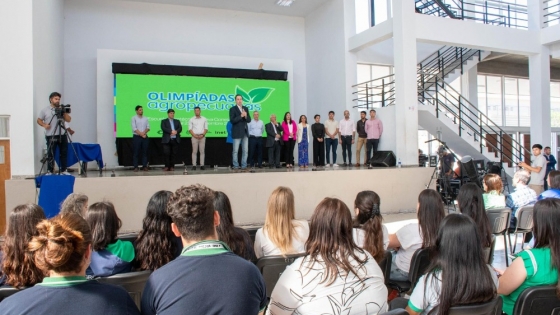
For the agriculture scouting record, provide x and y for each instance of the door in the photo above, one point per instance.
(5, 170)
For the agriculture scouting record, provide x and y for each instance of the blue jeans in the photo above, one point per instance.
(328, 143)
(396, 273)
(245, 143)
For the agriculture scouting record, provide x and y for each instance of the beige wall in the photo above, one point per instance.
(248, 192)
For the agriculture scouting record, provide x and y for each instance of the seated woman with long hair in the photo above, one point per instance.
(17, 266)
(334, 274)
(236, 238)
(493, 197)
(458, 275)
(368, 232)
(470, 202)
(537, 266)
(413, 236)
(156, 245)
(281, 234)
(62, 250)
(110, 255)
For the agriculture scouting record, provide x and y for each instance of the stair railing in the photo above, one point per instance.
(551, 12)
(378, 92)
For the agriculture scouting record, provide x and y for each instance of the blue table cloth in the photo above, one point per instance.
(86, 153)
(53, 190)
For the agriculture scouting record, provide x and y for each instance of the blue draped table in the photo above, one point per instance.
(86, 153)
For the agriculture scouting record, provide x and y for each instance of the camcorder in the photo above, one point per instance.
(62, 109)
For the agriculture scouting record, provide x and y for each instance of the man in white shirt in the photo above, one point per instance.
(537, 169)
(140, 129)
(331, 141)
(256, 129)
(347, 132)
(198, 127)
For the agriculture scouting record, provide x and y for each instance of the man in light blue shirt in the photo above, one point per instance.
(140, 129)
(256, 129)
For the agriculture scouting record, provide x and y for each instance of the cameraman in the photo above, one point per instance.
(48, 119)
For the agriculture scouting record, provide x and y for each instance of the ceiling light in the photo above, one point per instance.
(285, 3)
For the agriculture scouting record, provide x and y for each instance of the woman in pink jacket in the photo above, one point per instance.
(289, 137)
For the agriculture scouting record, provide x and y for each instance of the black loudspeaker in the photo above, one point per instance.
(469, 167)
(383, 159)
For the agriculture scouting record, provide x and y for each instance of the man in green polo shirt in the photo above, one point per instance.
(207, 278)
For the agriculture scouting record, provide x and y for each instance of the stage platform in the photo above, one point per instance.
(248, 191)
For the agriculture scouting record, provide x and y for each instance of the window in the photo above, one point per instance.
(511, 101)
(555, 104)
(494, 99)
(368, 72)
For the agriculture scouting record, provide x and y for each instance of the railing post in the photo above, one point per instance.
(438, 61)
(422, 82)
(501, 145)
(479, 55)
(461, 61)
(509, 17)
(481, 135)
(462, 10)
(485, 12)
(367, 96)
(382, 92)
(460, 117)
(437, 99)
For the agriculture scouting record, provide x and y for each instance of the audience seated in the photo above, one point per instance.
(334, 274)
(470, 202)
(156, 245)
(522, 194)
(459, 274)
(207, 278)
(110, 255)
(75, 203)
(493, 197)
(62, 249)
(369, 233)
(413, 236)
(235, 237)
(17, 264)
(537, 266)
(554, 186)
(281, 233)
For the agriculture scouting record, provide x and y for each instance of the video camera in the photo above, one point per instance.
(62, 109)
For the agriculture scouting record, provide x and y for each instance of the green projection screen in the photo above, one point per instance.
(215, 96)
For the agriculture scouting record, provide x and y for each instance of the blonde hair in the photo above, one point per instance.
(278, 224)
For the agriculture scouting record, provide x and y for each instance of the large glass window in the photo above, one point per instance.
(524, 103)
(494, 99)
(362, 15)
(511, 101)
(555, 104)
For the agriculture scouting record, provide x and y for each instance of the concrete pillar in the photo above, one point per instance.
(539, 81)
(16, 81)
(406, 108)
(469, 89)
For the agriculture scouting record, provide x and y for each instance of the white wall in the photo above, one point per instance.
(16, 80)
(48, 69)
(146, 27)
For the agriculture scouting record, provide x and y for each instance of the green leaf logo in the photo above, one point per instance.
(244, 95)
(259, 95)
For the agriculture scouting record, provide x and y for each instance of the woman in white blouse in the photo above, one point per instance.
(369, 233)
(335, 276)
(281, 233)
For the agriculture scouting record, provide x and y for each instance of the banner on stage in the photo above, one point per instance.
(215, 96)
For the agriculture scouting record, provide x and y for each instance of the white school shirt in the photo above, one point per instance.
(410, 238)
(359, 236)
(265, 247)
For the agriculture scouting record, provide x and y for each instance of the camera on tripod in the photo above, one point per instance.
(62, 109)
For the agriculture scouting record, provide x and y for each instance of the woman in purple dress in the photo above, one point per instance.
(303, 136)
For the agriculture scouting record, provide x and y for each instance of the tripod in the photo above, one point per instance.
(441, 177)
(57, 137)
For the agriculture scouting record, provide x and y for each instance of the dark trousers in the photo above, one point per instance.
(289, 150)
(346, 148)
(274, 154)
(255, 146)
(54, 142)
(331, 143)
(371, 145)
(318, 152)
(139, 146)
(170, 150)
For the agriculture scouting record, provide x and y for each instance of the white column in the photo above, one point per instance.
(539, 81)
(16, 81)
(469, 89)
(406, 111)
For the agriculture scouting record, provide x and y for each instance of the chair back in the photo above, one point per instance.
(541, 300)
(492, 307)
(252, 232)
(385, 265)
(7, 291)
(418, 265)
(272, 267)
(132, 282)
(525, 219)
(489, 251)
(499, 220)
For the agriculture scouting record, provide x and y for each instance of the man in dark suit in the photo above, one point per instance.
(273, 141)
(239, 118)
(171, 128)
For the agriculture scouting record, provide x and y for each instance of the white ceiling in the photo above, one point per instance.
(299, 8)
